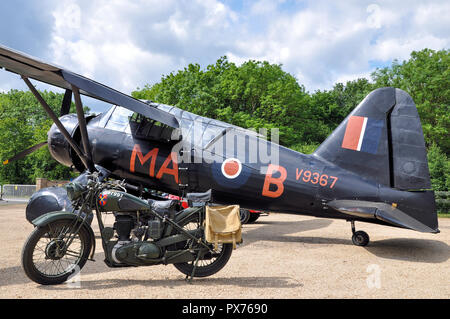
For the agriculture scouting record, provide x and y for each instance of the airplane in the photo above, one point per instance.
(372, 168)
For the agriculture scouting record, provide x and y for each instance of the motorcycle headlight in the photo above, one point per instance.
(74, 190)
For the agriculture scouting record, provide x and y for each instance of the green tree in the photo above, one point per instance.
(24, 123)
(259, 94)
(253, 95)
(439, 166)
(426, 77)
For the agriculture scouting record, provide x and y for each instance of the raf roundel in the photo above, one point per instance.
(230, 174)
(231, 168)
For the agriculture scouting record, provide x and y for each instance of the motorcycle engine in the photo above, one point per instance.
(131, 252)
(123, 226)
(135, 253)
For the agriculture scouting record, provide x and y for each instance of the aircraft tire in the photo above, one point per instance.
(360, 238)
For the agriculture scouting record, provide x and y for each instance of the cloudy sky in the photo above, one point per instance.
(126, 44)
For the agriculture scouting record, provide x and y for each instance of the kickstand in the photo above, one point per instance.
(189, 278)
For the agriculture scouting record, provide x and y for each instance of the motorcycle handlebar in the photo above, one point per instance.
(132, 187)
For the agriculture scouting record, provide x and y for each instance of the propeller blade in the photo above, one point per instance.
(24, 153)
(83, 129)
(67, 100)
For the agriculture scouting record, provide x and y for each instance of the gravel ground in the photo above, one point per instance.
(283, 256)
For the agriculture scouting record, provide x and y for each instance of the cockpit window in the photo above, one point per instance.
(139, 126)
(143, 127)
(119, 119)
(200, 131)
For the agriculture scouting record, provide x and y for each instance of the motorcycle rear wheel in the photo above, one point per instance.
(42, 260)
(205, 267)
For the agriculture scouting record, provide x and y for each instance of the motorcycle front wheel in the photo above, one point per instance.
(45, 258)
(210, 265)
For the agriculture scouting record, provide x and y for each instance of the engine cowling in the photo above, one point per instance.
(58, 146)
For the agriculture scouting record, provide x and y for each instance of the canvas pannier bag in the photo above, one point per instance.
(223, 225)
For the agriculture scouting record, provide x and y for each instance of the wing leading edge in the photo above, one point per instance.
(30, 67)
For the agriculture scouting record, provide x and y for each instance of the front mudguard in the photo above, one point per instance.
(51, 217)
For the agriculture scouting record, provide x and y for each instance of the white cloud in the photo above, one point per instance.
(128, 44)
(325, 42)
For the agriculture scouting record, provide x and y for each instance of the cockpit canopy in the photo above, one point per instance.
(200, 131)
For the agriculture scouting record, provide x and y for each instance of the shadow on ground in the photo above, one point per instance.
(410, 249)
(279, 231)
(245, 282)
(406, 249)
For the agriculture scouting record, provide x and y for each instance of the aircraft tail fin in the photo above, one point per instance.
(381, 140)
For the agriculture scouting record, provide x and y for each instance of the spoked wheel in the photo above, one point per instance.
(46, 258)
(211, 262)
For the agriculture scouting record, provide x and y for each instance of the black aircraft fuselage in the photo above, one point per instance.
(334, 182)
(372, 168)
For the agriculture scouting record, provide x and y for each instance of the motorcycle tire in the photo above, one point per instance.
(62, 273)
(205, 270)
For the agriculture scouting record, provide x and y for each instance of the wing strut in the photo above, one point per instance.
(83, 128)
(58, 123)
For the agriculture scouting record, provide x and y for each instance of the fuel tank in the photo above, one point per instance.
(114, 200)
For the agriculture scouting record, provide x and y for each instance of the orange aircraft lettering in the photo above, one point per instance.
(165, 167)
(277, 181)
(315, 178)
(152, 154)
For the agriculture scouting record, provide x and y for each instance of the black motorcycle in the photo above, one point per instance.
(145, 232)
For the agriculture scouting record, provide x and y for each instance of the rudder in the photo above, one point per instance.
(382, 140)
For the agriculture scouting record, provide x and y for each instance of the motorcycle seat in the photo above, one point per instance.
(162, 204)
(199, 197)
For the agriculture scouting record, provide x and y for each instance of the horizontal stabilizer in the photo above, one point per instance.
(388, 213)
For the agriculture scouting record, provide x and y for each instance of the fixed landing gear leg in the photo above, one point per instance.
(359, 238)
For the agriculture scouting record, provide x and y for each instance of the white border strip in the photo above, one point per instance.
(361, 136)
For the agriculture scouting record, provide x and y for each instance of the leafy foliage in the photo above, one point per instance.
(256, 95)
(24, 123)
(426, 77)
(259, 94)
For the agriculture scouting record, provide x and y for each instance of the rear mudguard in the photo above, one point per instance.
(51, 217)
(179, 217)
(185, 213)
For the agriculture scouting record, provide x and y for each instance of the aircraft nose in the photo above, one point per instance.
(58, 146)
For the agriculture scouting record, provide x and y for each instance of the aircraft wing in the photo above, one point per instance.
(31, 67)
